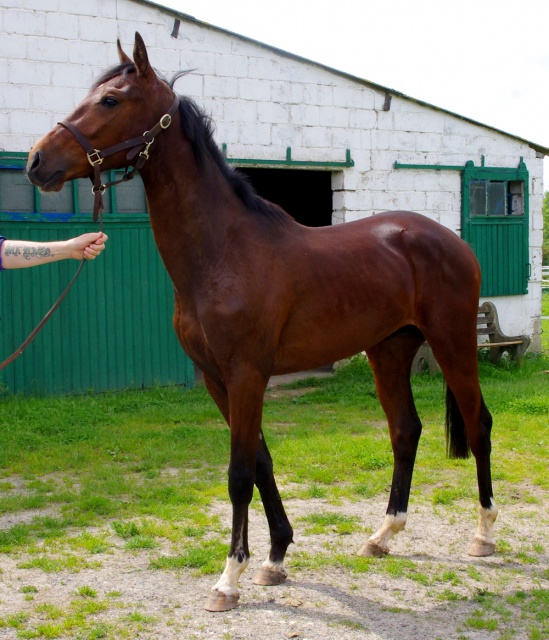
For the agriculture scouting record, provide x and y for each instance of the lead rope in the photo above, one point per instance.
(95, 158)
(48, 315)
(97, 213)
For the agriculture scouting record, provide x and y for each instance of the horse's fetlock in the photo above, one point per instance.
(282, 536)
(240, 556)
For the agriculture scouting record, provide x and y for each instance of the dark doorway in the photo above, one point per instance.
(305, 195)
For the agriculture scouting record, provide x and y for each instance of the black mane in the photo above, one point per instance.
(198, 127)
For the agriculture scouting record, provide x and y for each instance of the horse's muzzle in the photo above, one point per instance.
(41, 176)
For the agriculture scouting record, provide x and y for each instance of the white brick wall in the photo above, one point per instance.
(262, 102)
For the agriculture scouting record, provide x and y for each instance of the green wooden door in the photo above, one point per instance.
(495, 224)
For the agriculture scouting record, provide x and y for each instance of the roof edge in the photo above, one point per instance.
(378, 87)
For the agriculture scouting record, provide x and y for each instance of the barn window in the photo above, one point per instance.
(496, 198)
(19, 196)
(16, 193)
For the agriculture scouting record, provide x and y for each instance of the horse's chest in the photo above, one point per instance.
(190, 333)
(197, 336)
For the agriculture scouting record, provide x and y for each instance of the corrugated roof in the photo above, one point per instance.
(188, 18)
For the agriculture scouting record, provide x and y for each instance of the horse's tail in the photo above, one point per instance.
(456, 440)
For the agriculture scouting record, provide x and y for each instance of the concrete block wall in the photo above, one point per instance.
(262, 102)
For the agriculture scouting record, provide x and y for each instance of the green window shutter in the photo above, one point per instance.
(495, 224)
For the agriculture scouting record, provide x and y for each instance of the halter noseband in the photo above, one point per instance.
(139, 145)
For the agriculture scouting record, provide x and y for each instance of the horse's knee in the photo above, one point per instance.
(241, 485)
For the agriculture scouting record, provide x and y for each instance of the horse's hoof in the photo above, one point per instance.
(372, 550)
(481, 549)
(269, 576)
(218, 601)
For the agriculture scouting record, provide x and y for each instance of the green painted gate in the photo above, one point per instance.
(495, 223)
(114, 329)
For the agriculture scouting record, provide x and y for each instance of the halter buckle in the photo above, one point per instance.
(165, 121)
(95, 157)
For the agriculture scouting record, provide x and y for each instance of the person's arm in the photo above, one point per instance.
(18, 254)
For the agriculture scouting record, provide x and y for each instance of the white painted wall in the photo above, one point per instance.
(262, 102)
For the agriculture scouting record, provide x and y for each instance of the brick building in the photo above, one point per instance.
(296, 126)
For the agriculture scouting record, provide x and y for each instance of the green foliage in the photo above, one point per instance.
(545, 323)
(206, 558)
(141, 542)
(546, 228)
(328, 438)
(319, 523)
(125, 529)
(66, 562)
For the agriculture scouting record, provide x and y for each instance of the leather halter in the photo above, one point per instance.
(137, 147)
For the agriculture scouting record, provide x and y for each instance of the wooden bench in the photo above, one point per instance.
(497, 342)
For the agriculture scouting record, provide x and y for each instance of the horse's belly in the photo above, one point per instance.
(314, 344)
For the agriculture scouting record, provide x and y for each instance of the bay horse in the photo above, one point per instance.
(257, 294)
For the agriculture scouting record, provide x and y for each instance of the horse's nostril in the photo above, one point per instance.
(35, 161)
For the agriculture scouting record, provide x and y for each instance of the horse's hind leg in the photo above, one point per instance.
(272, 570)
(391, 361)
(469, 424)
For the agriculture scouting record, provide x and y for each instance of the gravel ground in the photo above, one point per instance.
(326, 603)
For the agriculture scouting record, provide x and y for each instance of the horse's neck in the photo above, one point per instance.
(192, 210)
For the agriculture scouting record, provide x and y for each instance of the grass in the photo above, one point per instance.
(136, 472)
(545, 323)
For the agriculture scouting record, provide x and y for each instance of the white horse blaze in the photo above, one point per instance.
(228, 583)
(390, 527)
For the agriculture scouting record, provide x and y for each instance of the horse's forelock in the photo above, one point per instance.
(114, 72)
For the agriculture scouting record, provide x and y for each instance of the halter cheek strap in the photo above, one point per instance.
(137, 146)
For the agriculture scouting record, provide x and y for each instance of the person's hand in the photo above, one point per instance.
(88, 245)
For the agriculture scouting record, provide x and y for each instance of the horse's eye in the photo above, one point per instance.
(109, 102)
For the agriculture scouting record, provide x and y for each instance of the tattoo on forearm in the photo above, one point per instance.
(28, 253)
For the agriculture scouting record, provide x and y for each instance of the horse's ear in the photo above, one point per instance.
(121, 55)
(140, 57)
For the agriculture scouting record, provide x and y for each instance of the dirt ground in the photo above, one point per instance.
(428, 588)
(314, 604)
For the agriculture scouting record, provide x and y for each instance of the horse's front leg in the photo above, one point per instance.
(245, 396)
(272, 571)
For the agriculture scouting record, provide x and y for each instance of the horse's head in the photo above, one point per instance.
(125, 102)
